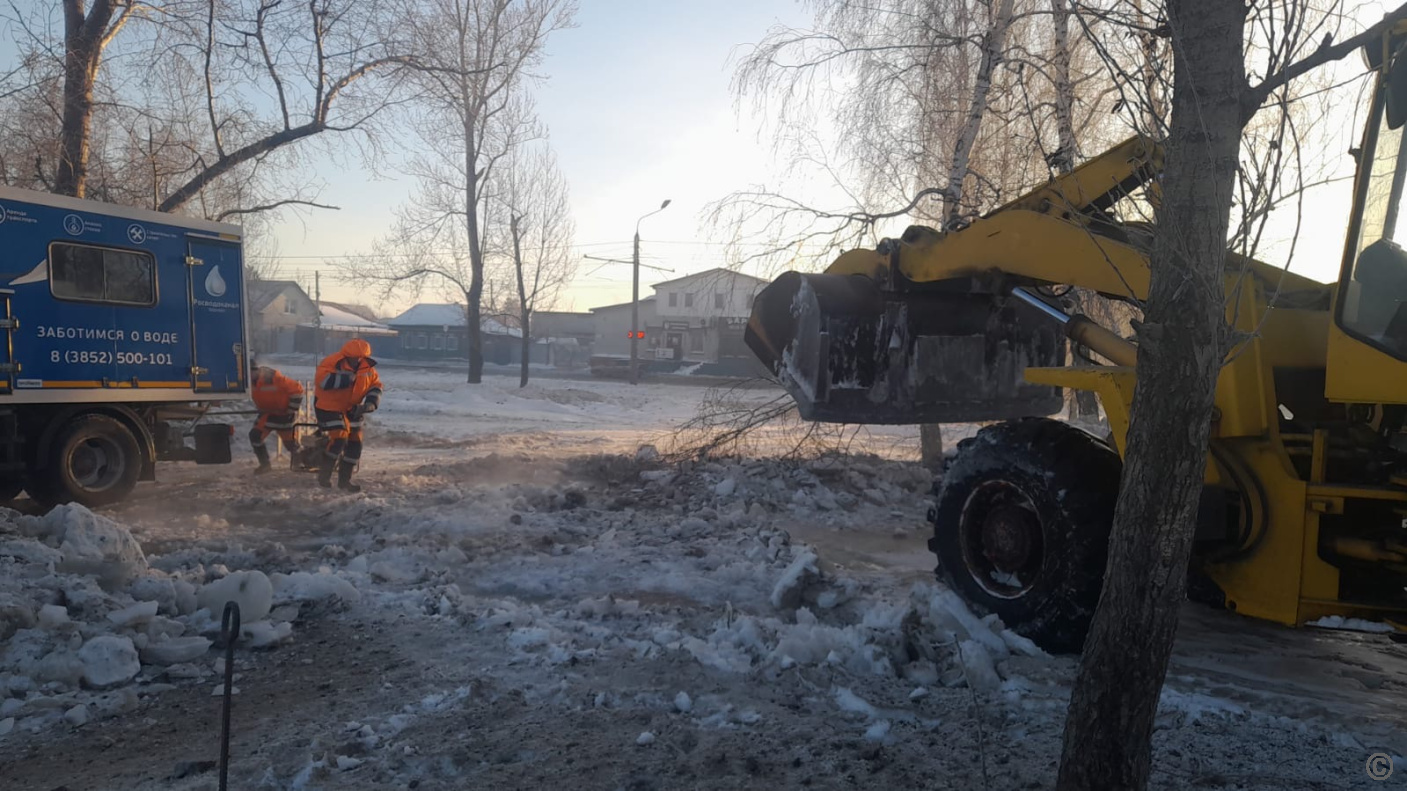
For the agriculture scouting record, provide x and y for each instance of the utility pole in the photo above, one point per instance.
(635, 300)
(635, 311)
(317, 302)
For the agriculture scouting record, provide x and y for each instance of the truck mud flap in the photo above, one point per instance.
(848, 352)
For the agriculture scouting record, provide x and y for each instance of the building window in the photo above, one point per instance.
(674, 299)
(420, 340)
(102, 274)
(696, 342)
(288, 305)
(718, 300)
(437, 342)
(688, 299)
(452, 343)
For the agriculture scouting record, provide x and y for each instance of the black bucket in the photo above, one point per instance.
(848, 352)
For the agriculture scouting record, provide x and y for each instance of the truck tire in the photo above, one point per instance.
(94, 461)
(1021, 527)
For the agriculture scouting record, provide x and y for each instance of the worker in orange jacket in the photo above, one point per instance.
(346, 390)
(278, 399)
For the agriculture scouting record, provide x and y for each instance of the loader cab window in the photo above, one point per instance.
(89, 273)
(1372, 303)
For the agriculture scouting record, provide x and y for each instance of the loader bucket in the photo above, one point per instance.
(849, 352)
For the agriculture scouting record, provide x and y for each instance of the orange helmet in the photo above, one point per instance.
(356, 347)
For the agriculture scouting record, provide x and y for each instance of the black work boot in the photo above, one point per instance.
(344, 477)
(262, 454)
(325, 471)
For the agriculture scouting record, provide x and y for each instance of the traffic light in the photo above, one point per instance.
(635, 333)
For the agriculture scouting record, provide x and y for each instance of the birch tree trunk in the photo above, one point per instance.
(1109, 727)
(84, 36)
(1065, 156)
(993, 48)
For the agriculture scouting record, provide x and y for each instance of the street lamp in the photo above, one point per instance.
(635, 300)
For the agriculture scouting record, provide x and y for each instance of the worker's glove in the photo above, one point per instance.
(355, 413)
(368, 406)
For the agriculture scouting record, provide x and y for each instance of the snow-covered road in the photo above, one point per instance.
(522, 598)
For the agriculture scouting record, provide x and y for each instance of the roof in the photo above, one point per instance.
(263, 292)
(356, 310)
(334, 318)
(716, 272)
(643, 301)
(447, 315)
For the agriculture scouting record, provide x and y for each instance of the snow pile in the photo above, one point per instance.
(1352, 624)
(88, 622)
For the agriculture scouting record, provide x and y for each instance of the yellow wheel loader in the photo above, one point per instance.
(1304, 511)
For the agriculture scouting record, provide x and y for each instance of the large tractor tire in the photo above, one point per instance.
(94, 460)
(1021, 527)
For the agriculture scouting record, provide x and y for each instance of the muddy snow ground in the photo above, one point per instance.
(523, 597)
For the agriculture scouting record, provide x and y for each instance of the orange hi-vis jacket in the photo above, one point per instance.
(345, 381)
(274, 393)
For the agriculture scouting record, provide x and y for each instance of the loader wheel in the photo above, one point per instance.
(94, 461)
(1021, 527)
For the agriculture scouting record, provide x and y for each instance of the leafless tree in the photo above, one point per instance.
(1183, 342)
(949, 106)
(534, 195)
(473, 57)
(148, 102)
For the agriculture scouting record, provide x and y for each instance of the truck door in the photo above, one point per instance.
(217, 316)
(7, 342)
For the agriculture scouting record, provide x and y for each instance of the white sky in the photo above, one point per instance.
(639, 110)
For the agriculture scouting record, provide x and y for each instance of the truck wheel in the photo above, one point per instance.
(1021, 527)
(93, 461)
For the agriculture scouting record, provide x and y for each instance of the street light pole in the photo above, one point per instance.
(635, 300)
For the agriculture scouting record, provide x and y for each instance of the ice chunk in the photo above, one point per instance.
(175, 650)
(849, 701)
(786, 594)
(877, 731)
(682, 703)
(645, 738)
(7, 725)
(952, 614)
(53, 616)
(185, 597)
(347, 763)
(726, 487)
(62, 666)
(156, 589)
(109, 660)
(302, 586)
(93, 544)
(262, 634)
(14, 616)
(141, 612)
(251, 590)
(1021, 645)
(978, 667)
(919, 693)
(77, 716)
(10, 707)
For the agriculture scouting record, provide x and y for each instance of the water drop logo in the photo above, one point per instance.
(214, 284)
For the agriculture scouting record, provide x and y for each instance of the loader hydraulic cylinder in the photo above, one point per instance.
(1084, 331)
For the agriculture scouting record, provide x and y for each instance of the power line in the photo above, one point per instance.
(577, 246)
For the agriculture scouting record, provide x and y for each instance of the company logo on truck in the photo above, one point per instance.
(2, 215)
(214, 284)
(73, 224)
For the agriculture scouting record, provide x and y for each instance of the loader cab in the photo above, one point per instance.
(1367, 350)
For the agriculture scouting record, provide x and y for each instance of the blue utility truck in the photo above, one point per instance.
(120, 329)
